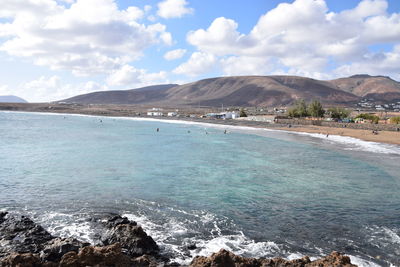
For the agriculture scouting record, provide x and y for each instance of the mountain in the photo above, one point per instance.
(380, 88)
(12, 99)
(133, 96)
(256, 90)
(252, 91)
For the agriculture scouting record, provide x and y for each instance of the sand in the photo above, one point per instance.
(367, 135)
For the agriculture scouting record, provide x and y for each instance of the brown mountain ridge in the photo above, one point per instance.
(252, 91)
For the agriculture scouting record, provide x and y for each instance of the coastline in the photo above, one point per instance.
(383, 137)
(122, 243)
(220, 125)
(387, 137)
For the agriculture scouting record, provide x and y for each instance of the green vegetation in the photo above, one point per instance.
(242, 113)
(338, 113)
(315, 109)
(299, 109)
(395, 120)
(366, 116)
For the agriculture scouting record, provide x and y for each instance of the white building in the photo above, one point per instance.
(154, 113)
(230, 115)
(172, 114)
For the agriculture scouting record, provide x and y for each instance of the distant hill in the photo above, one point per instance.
(132, 96)
(381, 88)
(12, 99)
(256, 90)
(251, 91)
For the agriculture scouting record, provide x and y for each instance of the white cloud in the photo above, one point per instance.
(382, 63)
(4, 90)
(198, 63)
(45, 89)
(132, 77)
(68, 1)
(304, 37)
(174, 54)
(88, 37)
(217, 39)
(242, 65)
(173, 9)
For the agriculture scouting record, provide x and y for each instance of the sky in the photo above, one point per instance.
(55, 49)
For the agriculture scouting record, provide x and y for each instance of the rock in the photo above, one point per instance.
(131, 237)
(3, 216)
(54, 249)
(333, 259)
(21, 235)
(21, 260)
(96, 256)
(225, 258)
(191, 247)
(69, 259)
(117, 220)
(144, 261)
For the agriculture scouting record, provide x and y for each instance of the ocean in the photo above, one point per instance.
(256, 192)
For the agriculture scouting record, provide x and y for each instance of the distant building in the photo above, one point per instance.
(230, 115)
(223, 115)
(155, 112)
(172, 114)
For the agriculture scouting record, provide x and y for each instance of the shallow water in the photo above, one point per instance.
(255, 192)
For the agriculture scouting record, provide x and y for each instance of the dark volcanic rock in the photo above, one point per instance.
(57, 247)
(21, 260)
(333, 259)
(21, 234)
(97, 256)
(225, 258)
(144, 261)
(3, 216)
(131, 237)
(117, 220)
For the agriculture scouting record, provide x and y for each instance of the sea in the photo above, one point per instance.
(256, 192)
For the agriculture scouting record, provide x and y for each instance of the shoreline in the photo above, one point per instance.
(122, 243)
(383, 137)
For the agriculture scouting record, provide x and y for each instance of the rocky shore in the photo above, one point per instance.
(24, 243)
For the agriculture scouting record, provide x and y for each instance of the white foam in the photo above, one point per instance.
(173, 229)
(361, 262)
(66, 225)
(354, 143)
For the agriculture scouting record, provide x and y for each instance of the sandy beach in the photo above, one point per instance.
(389, 137)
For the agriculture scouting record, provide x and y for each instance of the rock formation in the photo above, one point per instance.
(131, 237)
(23, 243)
(225, 258)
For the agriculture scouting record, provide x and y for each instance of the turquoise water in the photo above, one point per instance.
(258, 193)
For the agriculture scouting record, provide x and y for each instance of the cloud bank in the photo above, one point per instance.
(304, 38)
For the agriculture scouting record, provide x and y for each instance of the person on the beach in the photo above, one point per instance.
(158, 129)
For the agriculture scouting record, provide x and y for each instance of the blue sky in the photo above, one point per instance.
(54, 49)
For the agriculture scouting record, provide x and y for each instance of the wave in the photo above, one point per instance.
(176, 234)
(174, 237)
(352, 143)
